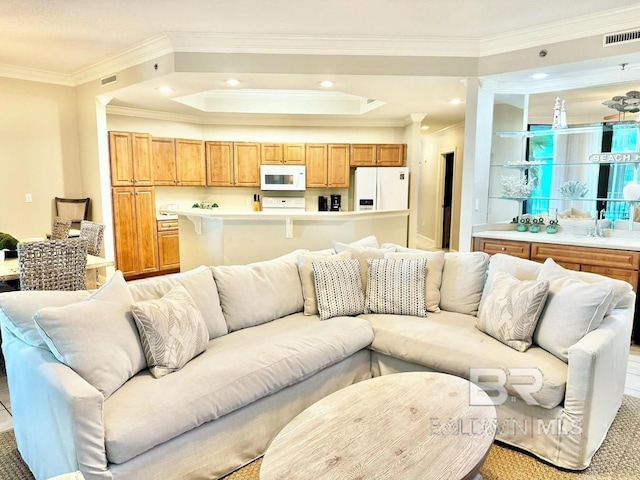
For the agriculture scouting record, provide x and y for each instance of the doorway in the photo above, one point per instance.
(447, 199)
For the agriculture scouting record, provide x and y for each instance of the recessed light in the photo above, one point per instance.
(455, 101)
(232, 82)
(424, 127)
(326, 84)
(165, 90)
(539, 76)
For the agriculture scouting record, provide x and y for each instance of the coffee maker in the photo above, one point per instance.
(323, 204)
(336, 202)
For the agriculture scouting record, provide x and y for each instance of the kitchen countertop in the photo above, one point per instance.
(275, 215)
(613, 239)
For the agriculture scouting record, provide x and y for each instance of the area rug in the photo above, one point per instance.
(617, 459)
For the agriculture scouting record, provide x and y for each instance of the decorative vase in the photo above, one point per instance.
(534, 228)
(631, 192)
(552, 229)
(522, 227)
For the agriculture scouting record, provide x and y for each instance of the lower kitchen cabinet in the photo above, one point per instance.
(135, 230)
(168, 245)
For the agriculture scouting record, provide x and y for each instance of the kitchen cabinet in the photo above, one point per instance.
(282, 153)
(130, 159)
(168, 245)
(246, 164)
(178, 161)
(378, 155)
(135, 230)
(219, 157)
(327, 165)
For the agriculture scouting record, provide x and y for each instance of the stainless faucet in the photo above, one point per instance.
(599, 230)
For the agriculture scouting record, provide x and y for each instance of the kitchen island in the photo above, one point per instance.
(227, 237)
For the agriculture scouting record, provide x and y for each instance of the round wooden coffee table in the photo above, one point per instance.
(414, 425)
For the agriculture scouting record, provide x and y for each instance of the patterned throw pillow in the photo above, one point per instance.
(512, 309)
(339, 288)
(172, 331)
(397, 286)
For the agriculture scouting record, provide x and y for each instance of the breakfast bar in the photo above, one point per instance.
(226, 237)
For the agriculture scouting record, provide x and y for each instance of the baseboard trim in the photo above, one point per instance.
(425, 243)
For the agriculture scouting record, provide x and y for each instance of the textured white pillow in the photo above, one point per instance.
(573, 309)
(512, 308)
(339, 288)
(306, 277)
(172, 331)
(435, 263)
(200, 285)
(96, 337)
(370, 241)
(463, 277)
(397, 287)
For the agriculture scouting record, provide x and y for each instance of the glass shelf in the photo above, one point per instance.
(562, 199)
(568, 130)
(525, 165)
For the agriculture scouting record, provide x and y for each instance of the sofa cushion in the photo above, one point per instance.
(235, 370)
(463, 277)
(259, 292)
(97, 337)
(338, 288)
(451, 343)
(397, 286)
(172, 331)
(435, 263)
(512, 308)
(307, 280)
(18, 308)
(573, 309)
(201, 286)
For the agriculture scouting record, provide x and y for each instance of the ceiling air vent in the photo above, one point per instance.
(109, 80)
(621, 37)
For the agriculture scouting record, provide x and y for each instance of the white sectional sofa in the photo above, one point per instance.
(83, 398)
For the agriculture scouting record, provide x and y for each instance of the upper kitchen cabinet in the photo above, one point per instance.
(246, 164)
(219, 157)
(327, 165)
(178, 162)
(130, 157)
(382, 155)
(279, 153)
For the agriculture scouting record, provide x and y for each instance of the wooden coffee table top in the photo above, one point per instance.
(414, 425)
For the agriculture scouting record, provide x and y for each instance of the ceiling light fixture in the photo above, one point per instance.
(165, 90)
(629, 103)
(232, 82)
(326, 84)
(539, 76)
(455, 101)
(424, 127)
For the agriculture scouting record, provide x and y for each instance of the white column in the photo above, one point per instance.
(414, 144)
(475, 166)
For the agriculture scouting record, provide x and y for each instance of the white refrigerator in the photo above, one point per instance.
(381, 188)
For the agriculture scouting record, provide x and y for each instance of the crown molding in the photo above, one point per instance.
(141, 52)
(33, 75)
(611, 21)
(262, 120)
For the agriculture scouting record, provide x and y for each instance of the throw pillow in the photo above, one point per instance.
(339, 288)
(306, 277)
(97, 337)
(172, 331)
(362, 254)
(573, 309)
(201, 287)
(435, 263)
(512, 309)
(370, 241)
(463, 277)
(397, 286)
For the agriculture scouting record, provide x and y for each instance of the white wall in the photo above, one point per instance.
(38, 154)
(434, 146)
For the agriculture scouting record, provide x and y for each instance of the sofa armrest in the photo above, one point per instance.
(57, 415)
(596, 377)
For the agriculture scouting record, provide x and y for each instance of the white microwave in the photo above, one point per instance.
(283, 177)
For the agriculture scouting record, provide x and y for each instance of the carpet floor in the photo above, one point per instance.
(617, 459)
